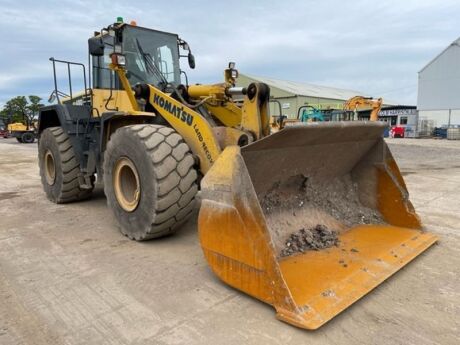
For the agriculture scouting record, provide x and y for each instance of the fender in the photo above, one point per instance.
(78, 124)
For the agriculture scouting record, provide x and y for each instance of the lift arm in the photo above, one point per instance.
(196, 130)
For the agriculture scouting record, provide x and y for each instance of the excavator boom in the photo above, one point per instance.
(358, 102)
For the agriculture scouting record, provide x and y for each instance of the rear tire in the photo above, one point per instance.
(59, 167)
(28, 138)
(19, 139)
(149, 180)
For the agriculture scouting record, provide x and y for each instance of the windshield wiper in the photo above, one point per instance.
(150, 64)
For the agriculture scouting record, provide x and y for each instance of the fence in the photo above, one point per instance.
(425, 128)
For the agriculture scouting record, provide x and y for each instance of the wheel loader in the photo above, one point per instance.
(23, 133)
(155, 142)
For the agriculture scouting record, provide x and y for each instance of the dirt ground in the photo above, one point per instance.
(67, 276)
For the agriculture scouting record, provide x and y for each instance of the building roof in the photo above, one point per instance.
(455, 43)
(307, 89)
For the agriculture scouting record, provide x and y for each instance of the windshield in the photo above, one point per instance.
(151, 56)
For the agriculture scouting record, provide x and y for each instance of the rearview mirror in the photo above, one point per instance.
(52, 97)
(191, 60)
(96, 46)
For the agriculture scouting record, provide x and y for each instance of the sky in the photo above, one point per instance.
(376, 47)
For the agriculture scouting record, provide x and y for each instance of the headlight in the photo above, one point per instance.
(121, 60)
(118, 59)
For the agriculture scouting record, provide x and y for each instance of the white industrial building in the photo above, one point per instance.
(439, 88)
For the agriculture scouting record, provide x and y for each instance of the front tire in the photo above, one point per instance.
(28, 138)
(149, 180)
(59, 167)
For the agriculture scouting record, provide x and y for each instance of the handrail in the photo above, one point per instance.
(53, 60)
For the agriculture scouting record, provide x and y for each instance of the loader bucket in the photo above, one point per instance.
(338, 176)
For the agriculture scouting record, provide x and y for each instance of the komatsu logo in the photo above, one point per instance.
(173, 109)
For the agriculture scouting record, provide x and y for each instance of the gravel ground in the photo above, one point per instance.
(67, 276)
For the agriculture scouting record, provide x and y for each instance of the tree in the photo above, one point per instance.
(21, 109)
(34, 107)
(13, 109)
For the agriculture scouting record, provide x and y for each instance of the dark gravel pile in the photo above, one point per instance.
(302, 212)
(316, 238)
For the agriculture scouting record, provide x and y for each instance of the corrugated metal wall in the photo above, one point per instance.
(439, 82)
(441, 117)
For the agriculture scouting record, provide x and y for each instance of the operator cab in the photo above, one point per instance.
(151, 56)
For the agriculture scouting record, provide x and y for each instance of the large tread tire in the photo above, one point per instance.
(167, 178)
(66, 187)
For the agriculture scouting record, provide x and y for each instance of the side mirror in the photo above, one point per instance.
(191, 60)
(52, 97)
(96, 46)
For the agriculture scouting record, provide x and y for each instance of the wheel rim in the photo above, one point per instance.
(126, 184)
(50, 168)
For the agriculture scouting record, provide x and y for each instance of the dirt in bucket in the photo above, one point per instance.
(313, 213)
(316, 238)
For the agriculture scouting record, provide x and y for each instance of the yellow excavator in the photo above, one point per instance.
(360, 102)
(308, 219)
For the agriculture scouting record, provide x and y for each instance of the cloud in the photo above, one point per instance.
(375, 47)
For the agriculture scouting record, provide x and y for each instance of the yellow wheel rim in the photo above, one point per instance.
(50, 168)
(126, 184)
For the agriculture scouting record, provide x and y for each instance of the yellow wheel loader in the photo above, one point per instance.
(308, 219)
(23, 133)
